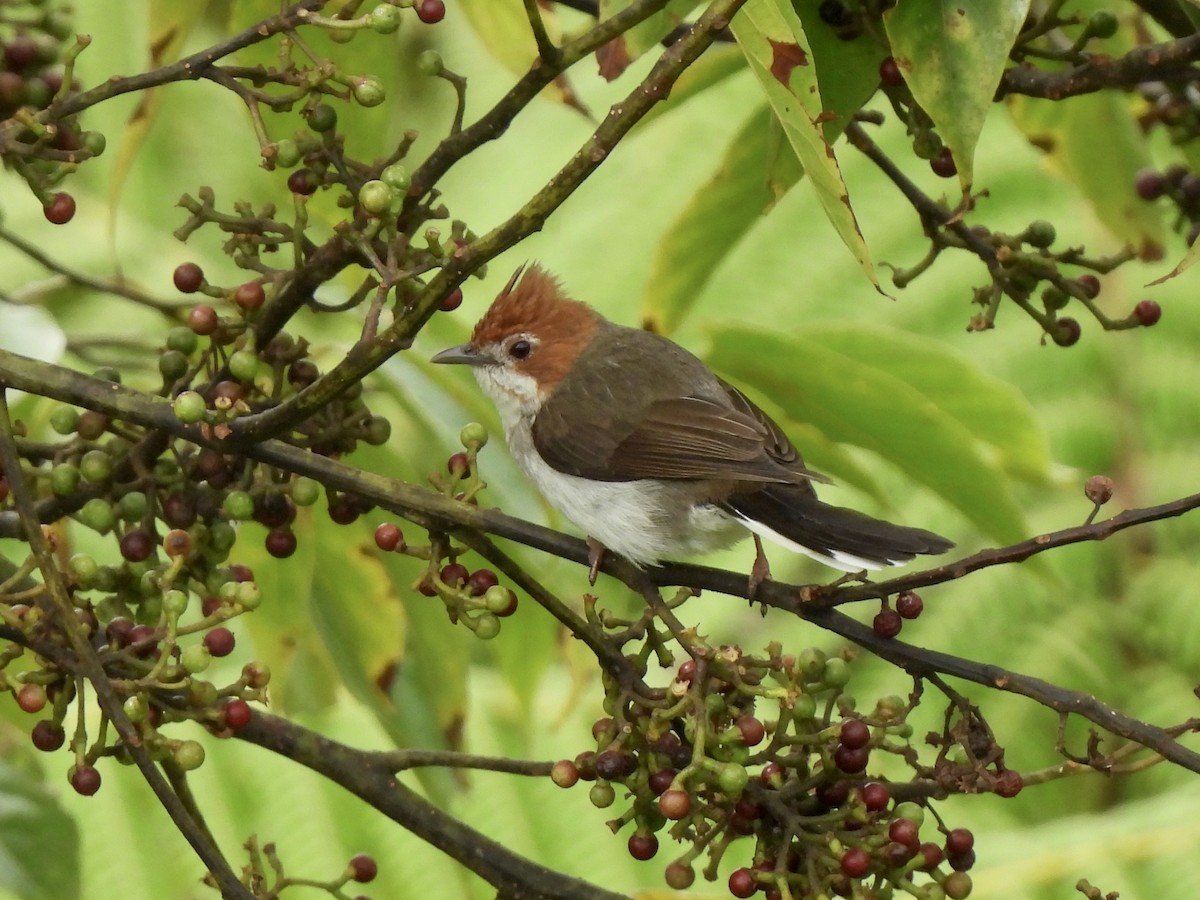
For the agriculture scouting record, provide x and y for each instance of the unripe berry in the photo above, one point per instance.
(675, 804)
(31, 698)
(564, 773)
(375, 198)
(1066, 332)
(189, 407)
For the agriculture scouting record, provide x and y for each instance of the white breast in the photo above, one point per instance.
(632, 518)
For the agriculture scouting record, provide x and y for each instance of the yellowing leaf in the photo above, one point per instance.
(953, 54)
(773, 39)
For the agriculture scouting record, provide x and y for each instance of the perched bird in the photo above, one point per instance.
(640, 444)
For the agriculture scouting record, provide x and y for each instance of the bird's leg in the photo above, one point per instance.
(761, 570)
(596, 552)
(860, 576)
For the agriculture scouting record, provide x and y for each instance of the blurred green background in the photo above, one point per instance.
(1117, 619)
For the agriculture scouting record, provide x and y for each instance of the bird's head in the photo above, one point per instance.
(527, 341)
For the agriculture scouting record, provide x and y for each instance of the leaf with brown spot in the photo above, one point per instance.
(613, 59)
(785, 57)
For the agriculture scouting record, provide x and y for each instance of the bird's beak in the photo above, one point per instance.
(463, 354)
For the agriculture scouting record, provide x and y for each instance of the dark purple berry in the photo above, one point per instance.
(1066, 332)
(909, 604)
(890, 74)
(643, 846)
(85, 780)
(1147, 312)
(136, 546)
(943, 164)
(887, 623)
(363, 868)
(1149, 184)
(220, 641)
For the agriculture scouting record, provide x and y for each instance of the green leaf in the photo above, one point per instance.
(771, 36)
(1069, 134)
(857, 400)
(847, 71)
(992, 410)
(953, 55)
(718, 216)
(504, 29)
(39, 843)
(715, 66)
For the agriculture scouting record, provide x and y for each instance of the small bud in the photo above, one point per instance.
(1099, 489)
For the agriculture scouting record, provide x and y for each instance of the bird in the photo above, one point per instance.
(641, 445)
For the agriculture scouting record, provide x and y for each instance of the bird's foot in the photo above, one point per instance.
(861, 576)
(759, 572)
(596, 551)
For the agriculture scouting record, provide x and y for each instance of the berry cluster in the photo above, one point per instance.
(704, 763)
(477, 599)
(36, 75)
(1181, 186)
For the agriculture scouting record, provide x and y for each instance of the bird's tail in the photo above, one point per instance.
(839, 537)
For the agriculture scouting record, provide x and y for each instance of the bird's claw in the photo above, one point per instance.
(596, 552)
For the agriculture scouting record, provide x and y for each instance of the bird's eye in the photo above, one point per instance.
(520, 349)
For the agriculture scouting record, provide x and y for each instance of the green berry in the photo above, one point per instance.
(498, 599)
(96, 466)
(175, 603)
(1102, 24)
(378, 431)
(473, 436)
(837, 673)
(190, 407)
(396, 177)
(369, 91)
(221, 537)
(64, 419)
(385, 18)
(429, 62)
(195, 658)
(94, 142)
(239, 505)
(243, 365)
(182, 339)
(375, 198)
(487, 626)
(1040, 233)
(98, 515)
(85, 568)
(322, 117)
(602, 795)
(136, 707)
(248, 595)
(305, 491)
(189, 755)
(804, 707)
(133, 506)
(173, 364)
(732, 779)
(287, 154)
(64, 479)
(913, 812)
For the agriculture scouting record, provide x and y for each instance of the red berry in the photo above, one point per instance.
(1090, 285)
(455, 574)
(237, 714)
(851, 760)
(363, 868)
(249, 295)
(675, 804)
(904, 831)
(687, 671)
(459, 465)
(1066, 332)
(188, 278)
(431, 11)
(961, 862)
(203, 320)
(875, 796)
(833, 793)
(1147, 312)
(480, 581)
(61, 208)
(933, 855)
(909, 604)
(887, 623)
(564, 773)
(959, 840)
(136, 545)
(660, 781)
(679, 876)
(302, 182)
(281, 543)
(48, 736)
(85, 779)
(854, 734)
(753, 731)
(1149, 184)
(142, 640)
(452, 300)
(855, 863)
(890, 74)
(220, 641)
(389, 537)
(241, 573)
(31, 698)
(943, 164)
(771, 775)
(643, 846)
(742, 883)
